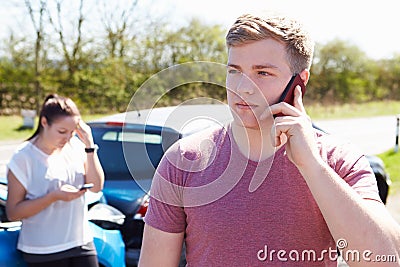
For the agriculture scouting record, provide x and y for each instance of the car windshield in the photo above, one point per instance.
(124, 154)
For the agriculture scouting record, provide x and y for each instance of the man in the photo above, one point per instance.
(266, 189)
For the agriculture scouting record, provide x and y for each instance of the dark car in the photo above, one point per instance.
(131, 145)
(382, 177)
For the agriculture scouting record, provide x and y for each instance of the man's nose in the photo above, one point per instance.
(246, 85)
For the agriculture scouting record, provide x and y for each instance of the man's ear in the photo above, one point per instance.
(305, 76)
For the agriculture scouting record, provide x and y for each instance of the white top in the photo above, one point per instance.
(62, 225)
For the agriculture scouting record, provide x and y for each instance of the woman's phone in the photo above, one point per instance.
(86, 186)
(288, 94)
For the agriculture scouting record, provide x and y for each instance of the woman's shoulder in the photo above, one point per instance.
(23, 153)
(24, 148)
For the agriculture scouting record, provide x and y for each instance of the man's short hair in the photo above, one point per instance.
(250, 28)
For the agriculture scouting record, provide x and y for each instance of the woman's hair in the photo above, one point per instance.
(53, 108)
(250, 28)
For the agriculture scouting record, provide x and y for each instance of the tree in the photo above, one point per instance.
(193, 42)
(118, 22)
(71, 45)
(338, 72)
(37, 19)
(388, 77)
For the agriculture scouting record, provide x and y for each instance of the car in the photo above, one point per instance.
(382, 176)
(107, 240)
(131, 145)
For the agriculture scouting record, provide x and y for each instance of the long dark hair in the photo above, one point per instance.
(54, 107)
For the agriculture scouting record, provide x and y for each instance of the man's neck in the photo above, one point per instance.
(255, 144)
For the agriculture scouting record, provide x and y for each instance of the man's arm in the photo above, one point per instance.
(365, 224)
(160, 248)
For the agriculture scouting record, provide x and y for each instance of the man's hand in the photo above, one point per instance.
(295, 128)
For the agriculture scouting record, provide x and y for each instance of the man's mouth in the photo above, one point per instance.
(244, 105)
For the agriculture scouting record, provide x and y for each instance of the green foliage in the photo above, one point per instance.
(338, 74)
(102, 72)
(391, 160)
(103, 81)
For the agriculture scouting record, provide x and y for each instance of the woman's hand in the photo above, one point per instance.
(67, 192)
(84, 133)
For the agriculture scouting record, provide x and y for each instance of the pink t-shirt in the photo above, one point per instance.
(204, 186)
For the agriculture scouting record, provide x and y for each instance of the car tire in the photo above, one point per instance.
(383, 187)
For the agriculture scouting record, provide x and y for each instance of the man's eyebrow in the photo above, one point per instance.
(254, 67)
(233, 66)
(265, 66)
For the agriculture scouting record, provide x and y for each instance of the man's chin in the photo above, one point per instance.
(253, 122)
(254, 125)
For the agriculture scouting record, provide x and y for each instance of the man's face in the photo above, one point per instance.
(257, 74)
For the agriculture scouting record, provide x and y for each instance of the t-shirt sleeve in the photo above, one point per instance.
(19, 164)
(165, 211)
(355, 169)
(361, 178)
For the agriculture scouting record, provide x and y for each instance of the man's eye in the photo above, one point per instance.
(233, 71)
(263, 73)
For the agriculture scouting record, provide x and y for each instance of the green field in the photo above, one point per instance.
(392, 160)
(371, 109)
(12, 127)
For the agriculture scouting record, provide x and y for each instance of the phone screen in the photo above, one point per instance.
(86, 186)
(288, 94)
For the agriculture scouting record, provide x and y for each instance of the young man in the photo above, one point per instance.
(266, 189)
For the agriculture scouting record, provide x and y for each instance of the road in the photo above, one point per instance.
(371, 135)
(6, 150)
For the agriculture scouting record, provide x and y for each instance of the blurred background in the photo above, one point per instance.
(99, 52)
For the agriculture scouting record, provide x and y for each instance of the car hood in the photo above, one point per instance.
(126, 195)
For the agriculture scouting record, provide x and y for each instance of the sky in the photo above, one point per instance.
(370, 25)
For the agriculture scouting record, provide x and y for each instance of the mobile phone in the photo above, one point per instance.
(86, 186)
(288, 94)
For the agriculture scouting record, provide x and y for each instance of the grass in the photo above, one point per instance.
(12, 127)
(371, 109)
(392, 160)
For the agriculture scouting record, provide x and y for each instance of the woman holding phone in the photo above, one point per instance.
(44, 177)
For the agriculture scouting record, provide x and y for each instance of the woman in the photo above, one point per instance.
(44, 176)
